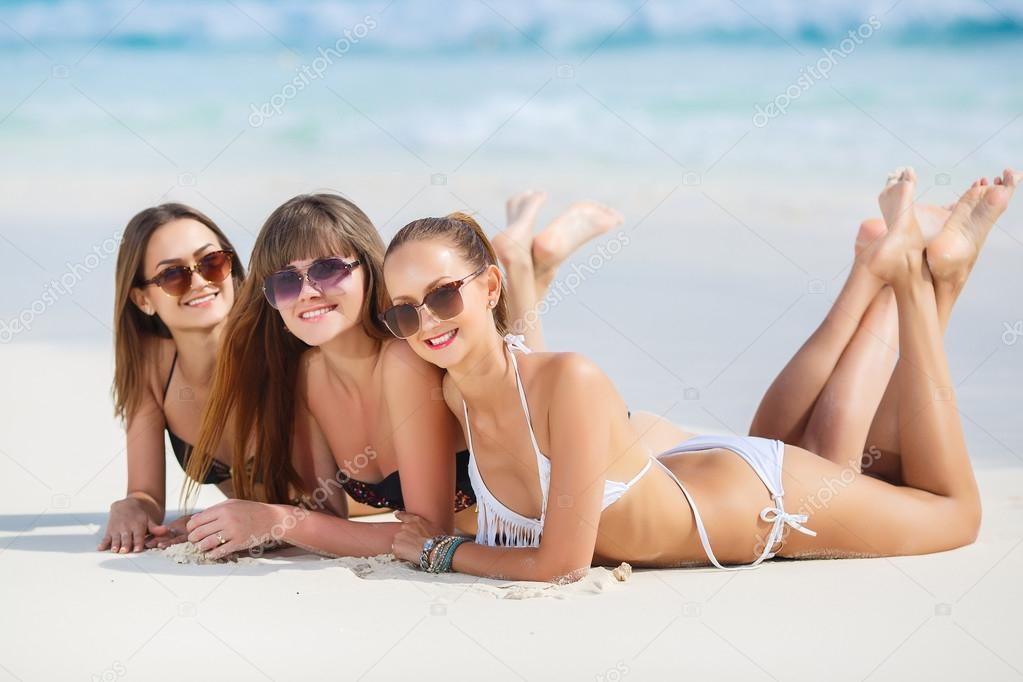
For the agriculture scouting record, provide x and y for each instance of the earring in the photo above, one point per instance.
(493, 303)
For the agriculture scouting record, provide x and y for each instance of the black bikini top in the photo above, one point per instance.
(219, 472)
(384, 495)
(387, 493)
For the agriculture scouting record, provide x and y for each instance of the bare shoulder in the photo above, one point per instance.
(158, 354)
(401, 364)
(564, 372)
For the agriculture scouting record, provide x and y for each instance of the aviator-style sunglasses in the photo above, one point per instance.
(282, 288)
(176, 280)
(444, 302)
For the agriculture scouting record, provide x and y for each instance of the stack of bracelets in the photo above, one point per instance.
(438, 553)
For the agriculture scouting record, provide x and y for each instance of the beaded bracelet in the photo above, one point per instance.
(439, 549)
(449, 554)
(424, 557)
(442, 553)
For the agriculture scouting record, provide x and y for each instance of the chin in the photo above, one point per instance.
(207, 319)
(315, 337)
(319, 333)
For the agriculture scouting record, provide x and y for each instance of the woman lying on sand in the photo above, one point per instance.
(177, 275)
(316, 396)
(598, 497)
(175, 282)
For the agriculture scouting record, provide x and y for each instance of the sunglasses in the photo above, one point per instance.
(444, 302)
(284, 287)
(176, 280)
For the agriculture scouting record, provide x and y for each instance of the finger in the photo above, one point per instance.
(158, 531)
(115, 541)
(202, 532)
(407, 551)
(167, 542)
(138, 540)
(202, 517)
(104, 544)
(211, 542)
(400, 515)
(154, 528)
(226, 550)
(179, 524)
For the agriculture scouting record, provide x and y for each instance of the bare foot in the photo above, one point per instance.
(515, 244)
(582, 222)
(954, 251)
(930, 217)
(899, 253)
(870, 231)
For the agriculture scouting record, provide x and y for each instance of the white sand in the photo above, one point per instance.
(387, 567)
(71, 612)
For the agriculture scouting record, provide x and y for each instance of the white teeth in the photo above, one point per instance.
(315, 313)
(201, 299)
(441, 339)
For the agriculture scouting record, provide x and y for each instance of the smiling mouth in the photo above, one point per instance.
(442, 341)
(317, 313)
(202, 300)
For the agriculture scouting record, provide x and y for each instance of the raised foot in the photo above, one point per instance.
(898, 254)
(582, 222)
(953, 253)
(514, 246)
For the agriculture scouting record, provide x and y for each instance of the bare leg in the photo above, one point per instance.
(935, 459)
(531, 264)
(838, 424)
(579, 224)
(514, 248)
(951, 256)
(851, 399)
(939, 506)
(841, 418)
(786, 407)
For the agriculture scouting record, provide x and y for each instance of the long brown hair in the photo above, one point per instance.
(462, 230)
(133, 329)
(252, 397)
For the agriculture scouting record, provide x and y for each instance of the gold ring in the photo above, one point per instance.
(220, 538)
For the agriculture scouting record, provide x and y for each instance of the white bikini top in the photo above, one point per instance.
(496, 521)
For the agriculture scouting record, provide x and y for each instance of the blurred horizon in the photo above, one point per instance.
(415, 26)
(743, 142)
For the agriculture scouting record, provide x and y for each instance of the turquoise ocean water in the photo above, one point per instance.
(743, 142)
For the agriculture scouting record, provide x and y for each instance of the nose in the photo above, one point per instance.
(198, 281)
(308, 290)
(427, 322)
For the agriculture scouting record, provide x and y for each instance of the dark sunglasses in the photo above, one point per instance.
(176, 280)
(284, 287)
(444, 302)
